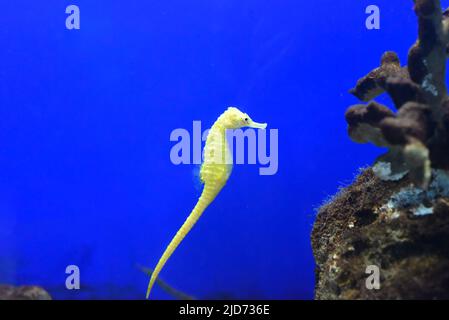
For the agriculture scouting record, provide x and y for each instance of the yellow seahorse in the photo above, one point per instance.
(215, 171)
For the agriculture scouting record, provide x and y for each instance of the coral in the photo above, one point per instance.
(417, 135)
(396, 214)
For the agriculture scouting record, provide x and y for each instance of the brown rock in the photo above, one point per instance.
(23, 293)
(357, 229)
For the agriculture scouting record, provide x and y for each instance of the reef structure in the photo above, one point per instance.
(418, 134)
(8, 292)
(401, 229)
(396, 214)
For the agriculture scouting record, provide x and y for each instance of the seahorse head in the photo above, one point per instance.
(235, 119)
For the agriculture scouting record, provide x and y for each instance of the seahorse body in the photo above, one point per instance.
(215, 171)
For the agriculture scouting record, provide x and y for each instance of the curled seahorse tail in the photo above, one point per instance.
(205, 199)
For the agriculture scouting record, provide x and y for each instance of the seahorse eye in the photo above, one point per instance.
(246, 119)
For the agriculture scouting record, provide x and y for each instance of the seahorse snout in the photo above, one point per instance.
(257, 125)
